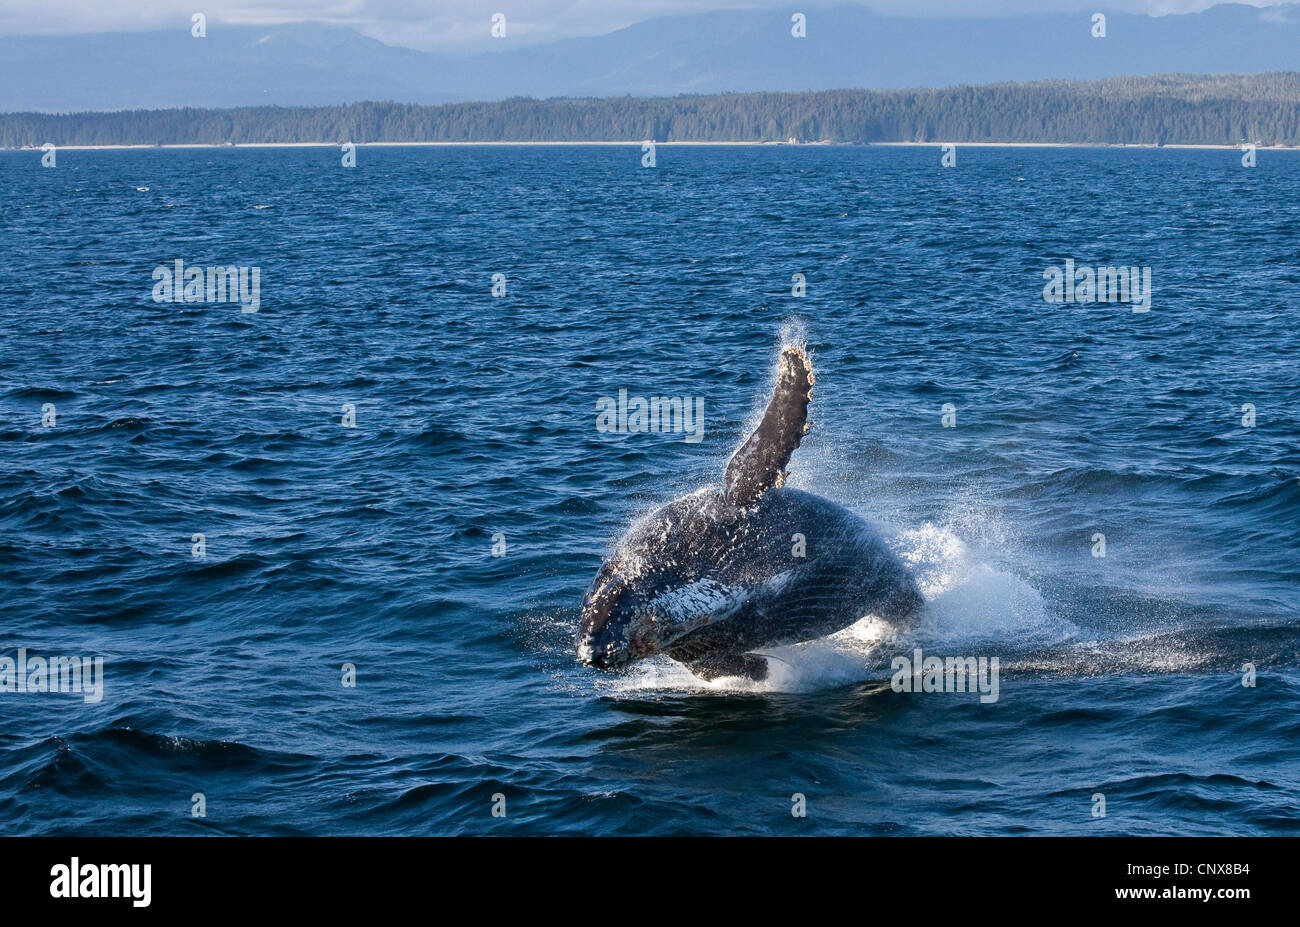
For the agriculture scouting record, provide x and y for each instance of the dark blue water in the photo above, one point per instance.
(372, 545)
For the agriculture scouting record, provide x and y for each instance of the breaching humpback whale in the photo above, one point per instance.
(724, 571)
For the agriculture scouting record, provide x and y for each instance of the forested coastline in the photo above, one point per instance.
(1165, 109)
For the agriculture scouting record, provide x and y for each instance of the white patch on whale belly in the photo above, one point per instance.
(701, 602)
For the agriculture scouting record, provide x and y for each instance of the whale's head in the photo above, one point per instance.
(617, 628)
(650, 593)
(628, 613)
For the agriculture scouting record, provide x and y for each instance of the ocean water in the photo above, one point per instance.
(475, 426)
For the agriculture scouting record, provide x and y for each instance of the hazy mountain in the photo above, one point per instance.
(311, 64)
(232, 66)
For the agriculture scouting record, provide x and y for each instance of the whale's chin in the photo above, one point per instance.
(611, 643)
(589, 656)
(614, 664)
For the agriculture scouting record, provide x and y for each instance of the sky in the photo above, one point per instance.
(446, 25)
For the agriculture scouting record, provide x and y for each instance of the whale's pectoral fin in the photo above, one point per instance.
(760, 463)
(746, 665)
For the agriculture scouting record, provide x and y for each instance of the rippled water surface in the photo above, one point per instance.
(328, 545)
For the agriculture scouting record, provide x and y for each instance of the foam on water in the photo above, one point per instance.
(970, 600)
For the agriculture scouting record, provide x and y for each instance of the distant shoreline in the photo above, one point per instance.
(676, 144)
(1171, 111)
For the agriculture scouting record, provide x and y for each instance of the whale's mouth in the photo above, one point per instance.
(611, 653)
(622, 639)
(610, 649)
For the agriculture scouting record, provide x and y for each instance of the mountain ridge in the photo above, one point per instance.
(313, 64)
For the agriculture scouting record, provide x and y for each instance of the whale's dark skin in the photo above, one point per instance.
(721, 572)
